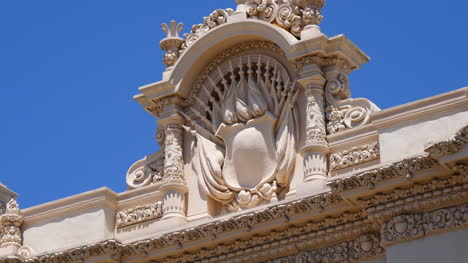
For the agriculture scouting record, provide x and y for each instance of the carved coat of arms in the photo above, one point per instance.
(244, 126)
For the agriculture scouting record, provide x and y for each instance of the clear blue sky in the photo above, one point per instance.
(69, 69)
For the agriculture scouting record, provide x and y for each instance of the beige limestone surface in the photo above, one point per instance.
(266, 157)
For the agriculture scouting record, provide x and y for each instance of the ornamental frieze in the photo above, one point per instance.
(139, 214)
(364, 247)
(413, 226)
(354, 156)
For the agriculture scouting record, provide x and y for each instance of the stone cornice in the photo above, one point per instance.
(438, 192)
(294, 239)
(291, 237)
(102, 197)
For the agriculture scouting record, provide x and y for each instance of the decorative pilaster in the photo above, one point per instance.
(174, 187)
(315, 149)
(10, 233)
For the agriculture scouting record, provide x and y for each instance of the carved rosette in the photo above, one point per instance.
(10, 222)
(173, 157)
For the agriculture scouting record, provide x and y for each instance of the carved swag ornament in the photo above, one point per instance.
(243, 121)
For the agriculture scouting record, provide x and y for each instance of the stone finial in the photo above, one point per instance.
(172, 30)
(172, 43)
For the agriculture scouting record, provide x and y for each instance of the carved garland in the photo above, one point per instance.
(355, 156)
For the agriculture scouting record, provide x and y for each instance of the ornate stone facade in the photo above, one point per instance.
(265, 157)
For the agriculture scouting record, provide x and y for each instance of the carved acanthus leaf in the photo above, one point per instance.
(355, 156)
